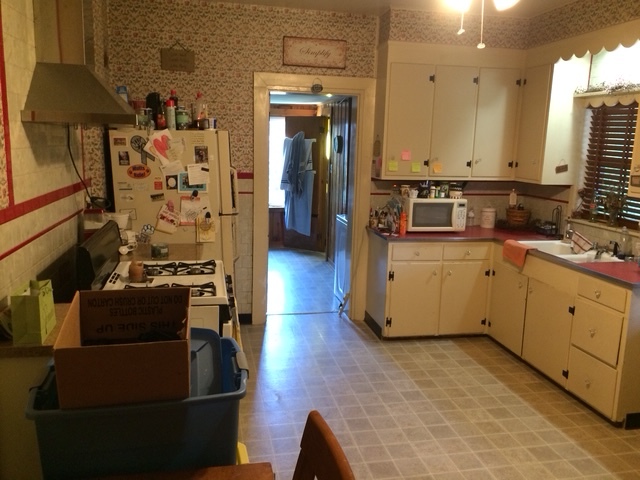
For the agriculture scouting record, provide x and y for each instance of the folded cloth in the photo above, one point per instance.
(579, 243)
(515, 252)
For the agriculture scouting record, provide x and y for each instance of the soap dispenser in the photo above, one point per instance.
(625, 243)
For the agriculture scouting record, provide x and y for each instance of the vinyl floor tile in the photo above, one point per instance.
(445, 408)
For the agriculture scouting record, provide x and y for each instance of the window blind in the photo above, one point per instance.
(608, 160)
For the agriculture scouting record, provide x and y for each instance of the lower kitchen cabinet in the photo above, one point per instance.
(426, 289)
(507, 304)
(465, 284)
(547, 330)
(602, 368)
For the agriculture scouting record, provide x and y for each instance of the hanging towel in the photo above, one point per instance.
(297, 208)
(295, 164)
(515, 252)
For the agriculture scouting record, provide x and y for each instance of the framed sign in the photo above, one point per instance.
(314, 52)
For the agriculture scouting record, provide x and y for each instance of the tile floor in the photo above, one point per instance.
(299, 281)
(449, 409)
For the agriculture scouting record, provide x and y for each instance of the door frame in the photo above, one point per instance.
(358, 213)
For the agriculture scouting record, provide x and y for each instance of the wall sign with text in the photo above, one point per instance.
(314, 52)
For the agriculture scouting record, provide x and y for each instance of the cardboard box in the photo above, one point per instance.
(124, 346)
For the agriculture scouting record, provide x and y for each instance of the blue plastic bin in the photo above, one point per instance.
(199, 431)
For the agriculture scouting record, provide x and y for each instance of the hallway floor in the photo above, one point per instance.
(299, 281)
(454, 409)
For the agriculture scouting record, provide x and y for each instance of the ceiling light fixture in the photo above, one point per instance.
(463, 6)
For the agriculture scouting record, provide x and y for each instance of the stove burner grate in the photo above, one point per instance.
(204, 268)
(164, 285)
(156, 270)
(204, 290)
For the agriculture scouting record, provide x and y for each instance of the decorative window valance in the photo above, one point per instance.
(610, 38)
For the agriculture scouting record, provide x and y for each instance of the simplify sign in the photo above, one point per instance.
(314, 52)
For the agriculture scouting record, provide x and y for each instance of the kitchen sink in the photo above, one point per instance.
(563, 250)
(552, 247)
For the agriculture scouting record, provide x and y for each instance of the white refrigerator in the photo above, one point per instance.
(178, 186)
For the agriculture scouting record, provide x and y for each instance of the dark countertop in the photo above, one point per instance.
(625, 274)
(7, 349)
(470, 234)
(142, 252)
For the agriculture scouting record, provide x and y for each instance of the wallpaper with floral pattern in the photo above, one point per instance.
(231, 41)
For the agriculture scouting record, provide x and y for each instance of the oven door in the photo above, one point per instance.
(205, 316)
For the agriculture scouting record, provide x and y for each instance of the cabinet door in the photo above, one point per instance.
(414, 299)
(508, 303)
(408, 122)
(547, 330)
(454, 116)
(494, 139)
(533, 122)
(464, 297)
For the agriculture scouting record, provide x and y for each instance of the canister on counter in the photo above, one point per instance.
(159, 250)
(488, 217)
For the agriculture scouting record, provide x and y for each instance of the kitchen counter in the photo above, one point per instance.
(9, 350)
(177, 251)
(470, 234)
(625, 274)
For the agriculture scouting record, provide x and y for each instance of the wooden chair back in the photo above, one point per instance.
(321, 456)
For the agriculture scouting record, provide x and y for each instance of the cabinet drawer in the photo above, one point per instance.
(592, 381)
(467, 251)
(596, 330)
(602, 292)
(417, 252)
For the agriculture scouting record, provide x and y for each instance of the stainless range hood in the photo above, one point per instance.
(65, 87)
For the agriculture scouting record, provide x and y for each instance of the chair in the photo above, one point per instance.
(321, 456)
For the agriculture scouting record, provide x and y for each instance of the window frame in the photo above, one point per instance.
(607, 157)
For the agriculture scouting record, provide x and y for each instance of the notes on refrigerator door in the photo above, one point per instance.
(191, 207)
(168, 218)
(205, 228)
(198, 173)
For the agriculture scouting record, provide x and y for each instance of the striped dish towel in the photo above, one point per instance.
(579, 243)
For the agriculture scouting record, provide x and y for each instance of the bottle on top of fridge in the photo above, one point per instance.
(200, 107)
(170, 114)
(174, 96)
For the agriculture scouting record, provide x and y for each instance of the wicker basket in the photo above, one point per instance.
(518, 217)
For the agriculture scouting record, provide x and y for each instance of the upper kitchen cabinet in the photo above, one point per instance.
(475, 111)
(446, 112)
(550, 127)
(407, 121)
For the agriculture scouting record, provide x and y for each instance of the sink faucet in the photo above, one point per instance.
(616, 247)
(568, 231)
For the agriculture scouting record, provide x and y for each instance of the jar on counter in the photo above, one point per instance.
(488, 217)
(182, 118)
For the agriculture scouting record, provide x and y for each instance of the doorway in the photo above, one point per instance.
(298, 256)
(364, 90)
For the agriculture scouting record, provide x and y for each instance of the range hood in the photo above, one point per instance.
(65, 87)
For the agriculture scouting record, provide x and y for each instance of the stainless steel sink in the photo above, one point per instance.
(563, 250)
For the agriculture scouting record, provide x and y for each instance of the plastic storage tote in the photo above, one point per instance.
(199, 431)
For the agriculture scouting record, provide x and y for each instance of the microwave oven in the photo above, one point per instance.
(436, 214)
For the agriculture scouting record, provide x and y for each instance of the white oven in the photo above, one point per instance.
(210, 305)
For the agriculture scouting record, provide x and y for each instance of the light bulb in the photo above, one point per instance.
(459, 5)
(504, 4)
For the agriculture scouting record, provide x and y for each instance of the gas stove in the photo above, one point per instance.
(206, 279)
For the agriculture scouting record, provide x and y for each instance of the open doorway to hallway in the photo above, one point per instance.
(302, 257)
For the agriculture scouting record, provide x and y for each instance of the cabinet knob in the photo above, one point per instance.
(587, 382)
(597, 293)
(449, 273)
(435, 273)
(467, 253)
(592, 332)
(417, 253)
(519, 284)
